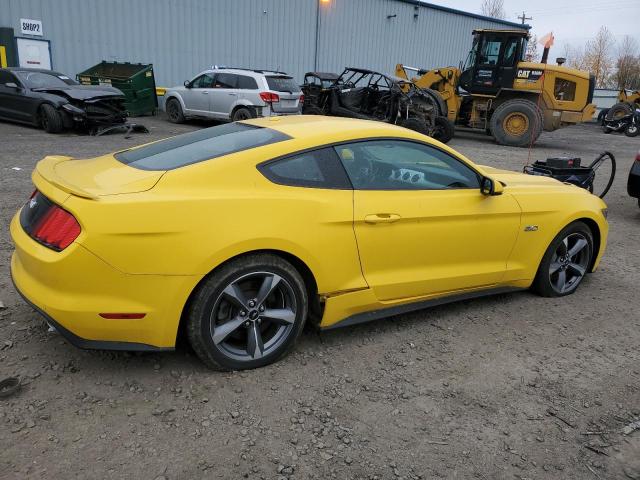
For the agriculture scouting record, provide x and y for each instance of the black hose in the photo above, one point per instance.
(596, 164)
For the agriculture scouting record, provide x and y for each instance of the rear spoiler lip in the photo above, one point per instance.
(45, 169)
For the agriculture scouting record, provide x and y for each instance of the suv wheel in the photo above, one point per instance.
(174, 111)
(242, 114)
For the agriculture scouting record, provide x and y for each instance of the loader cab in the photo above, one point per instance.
(493, 60)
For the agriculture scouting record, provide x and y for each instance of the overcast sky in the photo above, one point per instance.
(572, 21)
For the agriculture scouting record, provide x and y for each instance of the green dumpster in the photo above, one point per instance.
(136, 81)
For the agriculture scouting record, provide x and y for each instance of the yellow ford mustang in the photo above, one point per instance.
(235, 235)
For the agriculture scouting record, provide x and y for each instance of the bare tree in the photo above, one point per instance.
(574, 56)
(493, 8)
(599, 57)
(628, 64)
(531, 55)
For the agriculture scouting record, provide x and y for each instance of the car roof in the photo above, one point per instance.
(315, 130)
(324, 75)
(245, 71)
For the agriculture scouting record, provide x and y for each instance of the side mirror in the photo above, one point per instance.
(187, 84)
(12, 85)
(490, 187)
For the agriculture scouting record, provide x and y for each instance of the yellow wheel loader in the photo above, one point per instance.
(496, 91)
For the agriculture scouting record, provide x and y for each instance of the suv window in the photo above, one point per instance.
(403, 165)
(282, 84)
(225, 80)
(316, 169)
(203, 81)
(198, 146)
(247, 83)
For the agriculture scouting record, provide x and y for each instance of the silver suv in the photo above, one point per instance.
(234, 94)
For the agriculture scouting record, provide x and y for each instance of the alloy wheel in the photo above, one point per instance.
(569, 263)
(253, 316)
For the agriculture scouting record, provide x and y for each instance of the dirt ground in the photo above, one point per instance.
(506, 387)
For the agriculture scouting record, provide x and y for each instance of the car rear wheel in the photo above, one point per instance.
(174, 111)
(50, 119)
(242, 114)
(248, 313)
(565, 262)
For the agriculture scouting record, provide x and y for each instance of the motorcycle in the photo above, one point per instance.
(629, 124)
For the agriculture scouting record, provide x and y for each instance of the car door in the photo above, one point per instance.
(224, 94)
(197, 97)
(15, 102)
(422, 225)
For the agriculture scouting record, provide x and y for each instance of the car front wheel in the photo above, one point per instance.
(174, 111)
(50, 119)
(565, 262)
(248, 313)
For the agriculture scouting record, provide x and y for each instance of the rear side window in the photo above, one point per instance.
(247, 83)
(315, 169)
(199, 146)
(282, 84)
(225, 80)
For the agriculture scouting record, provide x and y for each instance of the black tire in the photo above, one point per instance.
(444, 129)
(242, 113)
(244, 275)
(547, 283)
(437, 100)
(523, 111)
(416, 125)
(632, 131)
(174, 111)
(602, 115)
(50, 119)
(312, 110)
(619, 110)
(606, 130)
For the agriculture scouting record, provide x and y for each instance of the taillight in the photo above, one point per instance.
(638, 157)
(301, 98)
(57, 229)
(269, 97)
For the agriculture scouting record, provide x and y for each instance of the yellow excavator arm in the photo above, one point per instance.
(442, 80)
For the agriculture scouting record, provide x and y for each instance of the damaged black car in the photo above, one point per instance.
(55, 102)
(371, 95)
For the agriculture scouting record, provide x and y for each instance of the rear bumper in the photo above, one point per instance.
(70, 288)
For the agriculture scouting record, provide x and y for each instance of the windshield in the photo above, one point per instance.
(198, 146)
(44, 80)
(471, 58)
(283, 84)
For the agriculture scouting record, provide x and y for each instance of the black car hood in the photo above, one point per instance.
(82, 92)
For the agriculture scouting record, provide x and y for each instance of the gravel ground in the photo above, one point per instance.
(511, 386)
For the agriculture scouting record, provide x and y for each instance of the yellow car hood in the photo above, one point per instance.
(516, 179)
(95, 177)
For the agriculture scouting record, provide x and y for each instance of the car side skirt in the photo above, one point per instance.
(372, 315)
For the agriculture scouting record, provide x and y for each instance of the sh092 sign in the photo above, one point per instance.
(30, 27)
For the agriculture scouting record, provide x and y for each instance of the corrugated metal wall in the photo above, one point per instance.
(182, 37)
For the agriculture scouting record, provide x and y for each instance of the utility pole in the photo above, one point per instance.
(523, 17)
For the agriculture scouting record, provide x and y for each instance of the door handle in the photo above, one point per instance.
(205, 92)
(231, 93)
(382, 218)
